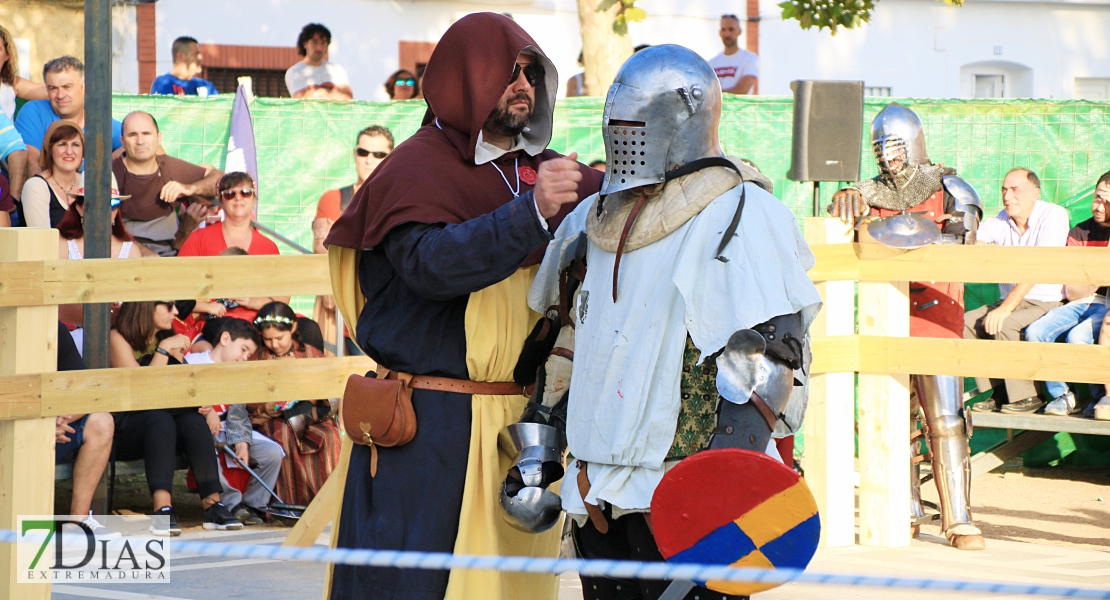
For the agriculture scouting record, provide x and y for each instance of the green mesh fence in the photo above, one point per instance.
(305, 148)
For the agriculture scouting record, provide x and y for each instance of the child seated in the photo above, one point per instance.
(238, 340)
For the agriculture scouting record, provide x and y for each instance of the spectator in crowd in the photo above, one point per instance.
(598, 165)
(1081, 318)
(13, 167)
(65, 92)
(71, 245)
(1026, 221)
(239, 341)
(13, 86)
(737, 68)
(89, 436)
(143, 335)
(306, 430)
(576, 85)
(372, 145)
(402, 85)
(237, 194)
(184, 78)
(156, 184)
(314, 76)
(46, 195)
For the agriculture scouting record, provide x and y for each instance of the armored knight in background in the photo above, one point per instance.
(909, 183)
(695, 289)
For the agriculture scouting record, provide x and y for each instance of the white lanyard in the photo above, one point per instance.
(516, 167)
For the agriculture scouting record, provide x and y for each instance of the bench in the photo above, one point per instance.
(1032, 429)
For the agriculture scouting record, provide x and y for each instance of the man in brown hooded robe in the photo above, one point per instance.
(433, 261)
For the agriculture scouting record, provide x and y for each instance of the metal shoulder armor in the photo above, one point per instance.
(966, 204)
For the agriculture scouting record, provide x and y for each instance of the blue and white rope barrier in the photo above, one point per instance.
(604, 568)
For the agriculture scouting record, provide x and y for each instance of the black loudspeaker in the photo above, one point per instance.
(828, 128)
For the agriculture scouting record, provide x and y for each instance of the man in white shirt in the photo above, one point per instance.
(737, 69)
(313, 76)
(1026, 221)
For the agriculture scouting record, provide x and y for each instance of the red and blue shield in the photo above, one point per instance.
(738, 508)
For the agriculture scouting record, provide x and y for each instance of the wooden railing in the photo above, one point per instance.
(33, 282)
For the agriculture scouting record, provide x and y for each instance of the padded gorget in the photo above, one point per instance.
(669, 206)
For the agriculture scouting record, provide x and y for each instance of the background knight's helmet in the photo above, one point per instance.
(662, 112)
(898, 140)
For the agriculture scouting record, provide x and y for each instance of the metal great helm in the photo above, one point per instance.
(662, 112)
(898, 140)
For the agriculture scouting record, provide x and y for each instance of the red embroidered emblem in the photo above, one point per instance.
(527, 175)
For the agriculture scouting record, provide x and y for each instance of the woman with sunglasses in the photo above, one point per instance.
(402, 85)
(143, 336)
(46, 196)
(236, 192)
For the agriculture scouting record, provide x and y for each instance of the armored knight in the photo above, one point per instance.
(912, 203)
(677, 301)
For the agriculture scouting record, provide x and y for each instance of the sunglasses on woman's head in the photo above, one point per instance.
(363, 153)
(244, 192)
(533, 73)
(404, 83)
(116, 202)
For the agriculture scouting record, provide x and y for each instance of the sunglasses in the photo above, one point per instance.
(169, 304)
(363, 153)
(533, 73)
(244, 193)
(405, 82)
(116, 202)
(730, 16)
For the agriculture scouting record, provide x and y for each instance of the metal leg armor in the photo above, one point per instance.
(948, 434)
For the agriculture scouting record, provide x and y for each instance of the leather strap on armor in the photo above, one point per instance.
(624, 238)
(764, 410)
(601, 524)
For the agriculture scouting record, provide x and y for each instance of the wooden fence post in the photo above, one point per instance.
(830, 418)
(28, 344)
(884, 423)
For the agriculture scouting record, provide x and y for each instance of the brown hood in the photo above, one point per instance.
(469, 71)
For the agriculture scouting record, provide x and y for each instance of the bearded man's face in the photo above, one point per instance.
(514, 110)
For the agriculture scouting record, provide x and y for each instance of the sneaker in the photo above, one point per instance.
(1062, 406)
(172, 529)
(219, 517)
(1029, 405)
(988, 405)
(247, 515)
(99, 530)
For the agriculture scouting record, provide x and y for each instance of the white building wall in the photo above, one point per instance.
(125, 51)
(915, 47)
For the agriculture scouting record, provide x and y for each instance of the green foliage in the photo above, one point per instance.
(626, 14)
(833, 14)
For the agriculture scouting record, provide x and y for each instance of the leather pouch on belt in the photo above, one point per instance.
(378, 412)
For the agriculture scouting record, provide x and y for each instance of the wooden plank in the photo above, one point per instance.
(835, 262)
(985, 462)
(1033, 422)
(985, 264)
(28, 345)
(984, 358)
(201, 278)
(109, 390)
(315, 518)
(340, 477)
(829, 423)
(884, 425)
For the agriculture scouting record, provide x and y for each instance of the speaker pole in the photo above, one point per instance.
(817, 198)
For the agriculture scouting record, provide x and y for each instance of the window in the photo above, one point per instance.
(265, 83)
(1090, 88)
(877, 91)
(990, 86)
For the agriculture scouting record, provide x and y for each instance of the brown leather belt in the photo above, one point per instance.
(464, 386)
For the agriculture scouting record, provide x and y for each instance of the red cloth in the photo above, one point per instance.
(945, 319)
(431, 177)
